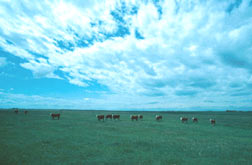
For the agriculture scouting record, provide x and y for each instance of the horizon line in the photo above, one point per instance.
(124, 110)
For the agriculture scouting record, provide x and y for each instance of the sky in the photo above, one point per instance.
(126, 55)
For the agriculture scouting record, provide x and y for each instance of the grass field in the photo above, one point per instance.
(78, 138)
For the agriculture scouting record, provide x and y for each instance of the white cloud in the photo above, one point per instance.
(86, 99)
(40, 68)
(191, 48)
(77, 82)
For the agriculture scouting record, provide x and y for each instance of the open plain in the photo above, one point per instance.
(79, 138)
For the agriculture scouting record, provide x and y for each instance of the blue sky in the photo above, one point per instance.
(126, 55)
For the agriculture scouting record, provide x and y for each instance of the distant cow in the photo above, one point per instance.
(195, 120)
(16, 111)
(53, 115)
(184, 119)
(100, 117)
(25, 112)
(212, 121)
(159, 117)
(133, 117)
(140, 117)
(116, 117)
(109, 116)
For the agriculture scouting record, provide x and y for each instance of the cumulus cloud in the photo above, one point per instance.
(40, 68)
(162, 50)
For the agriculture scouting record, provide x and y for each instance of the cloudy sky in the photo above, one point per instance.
(126, 55)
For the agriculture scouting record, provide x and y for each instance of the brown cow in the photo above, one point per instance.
(212, 121)
(140, 117)
(109, 116)
(159, 117)
(16, 111)
(116, 117)
(100, 117)
(184, 119)
(133, 117)
(53, 115)
(25, 112)
(195, 120)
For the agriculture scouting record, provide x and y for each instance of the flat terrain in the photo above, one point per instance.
(78, 138)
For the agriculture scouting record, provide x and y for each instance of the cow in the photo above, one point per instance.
(25, 112)
(16, 111)
(159, 117)
(53, 115)
(109, 116)
(100, 117)
(212, 121)
(140, 117)
(133, 117)
(195, 120)
(183, 119)
(116, 117)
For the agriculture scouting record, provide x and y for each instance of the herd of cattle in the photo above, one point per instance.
(16, 111)
(136, 117)
(132, 117)
(53, 115)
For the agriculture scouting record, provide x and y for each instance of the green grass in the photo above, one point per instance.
(78, 138)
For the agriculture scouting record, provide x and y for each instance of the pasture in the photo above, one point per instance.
(79, 138)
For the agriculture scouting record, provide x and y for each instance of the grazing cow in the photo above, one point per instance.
(109, 116)
(53, 115)
(195, 120)
(133, 117)
(159, 117)
(100, 117)
(140, 117)
(25, 112)
(16, 111)
(212, 121)
(184, 119)
(116, 117)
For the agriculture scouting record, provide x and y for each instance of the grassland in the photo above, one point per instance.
(78, 138)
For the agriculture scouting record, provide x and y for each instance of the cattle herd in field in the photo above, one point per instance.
(16, 111)
(140, 117)
(117, 117)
